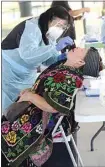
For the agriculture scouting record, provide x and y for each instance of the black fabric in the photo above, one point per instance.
(61, 3)
(71, 31)
(58, 159)
(12, 40)
(4, 162)
(55, 160)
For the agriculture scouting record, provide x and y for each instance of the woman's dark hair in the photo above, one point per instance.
(64, 4)
(48, 16)
(92, 60)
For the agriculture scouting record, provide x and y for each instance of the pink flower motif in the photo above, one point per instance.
(15, 126)
(5, 127)
(42, 76)
(65, 72)
(73, 76)
(26, 127)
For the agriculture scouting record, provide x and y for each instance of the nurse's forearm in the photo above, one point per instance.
(41, 103)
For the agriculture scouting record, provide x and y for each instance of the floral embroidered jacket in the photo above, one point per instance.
(58, 85)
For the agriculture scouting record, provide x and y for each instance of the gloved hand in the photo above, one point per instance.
(63, 56)
(62, 43)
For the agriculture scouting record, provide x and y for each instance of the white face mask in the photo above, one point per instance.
(54, 33)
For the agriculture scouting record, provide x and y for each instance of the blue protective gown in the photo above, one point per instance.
(19, 64)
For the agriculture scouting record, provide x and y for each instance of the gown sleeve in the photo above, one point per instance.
(32, 48)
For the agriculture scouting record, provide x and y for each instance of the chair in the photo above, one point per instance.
(65, 139)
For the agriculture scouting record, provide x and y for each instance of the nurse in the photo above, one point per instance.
(27, 46)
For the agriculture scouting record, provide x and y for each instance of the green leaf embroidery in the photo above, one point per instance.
(53, 84)
(9, 155)
(64, 87)
(19, 151)
(21, 143)
(56, 99)
(50, 78)
(18, 138)
(26, 146)
(48, 83)
(13, 154)
(29, 135)
(58, 86)
(43, 146)
(72, 90)
(17, 147)
(68, 76)
(21, 131)
(57, 93)
(73, 83)
(73, 87)
(9, 150)
(37, 153)
(73, 79)
(69, 90)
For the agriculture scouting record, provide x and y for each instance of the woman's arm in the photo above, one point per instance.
(37, 101)
(78, 11)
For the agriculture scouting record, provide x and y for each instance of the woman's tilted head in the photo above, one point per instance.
(92, 62)
(53, 23)
(75, 57)
(88, 58)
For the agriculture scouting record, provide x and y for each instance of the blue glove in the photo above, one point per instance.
(62, 43)
(63, 56)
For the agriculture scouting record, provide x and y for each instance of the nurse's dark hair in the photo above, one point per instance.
(48, 16)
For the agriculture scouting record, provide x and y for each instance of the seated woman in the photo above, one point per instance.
(52, 95)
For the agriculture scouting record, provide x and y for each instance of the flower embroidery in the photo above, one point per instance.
(52, 89)
(59, 77)
(15, 126)
(78, 83)
(68, 81)
(24, 118)
(5, 127)
(26, 127)
(46, 89)
(65, 72)
(11, 137)
(39, 129)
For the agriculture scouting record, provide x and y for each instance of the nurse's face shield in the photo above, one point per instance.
(56, 28)
(59, 23)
